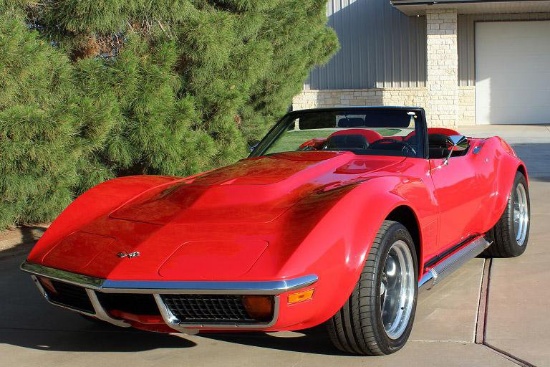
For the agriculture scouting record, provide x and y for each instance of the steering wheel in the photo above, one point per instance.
(384, 143)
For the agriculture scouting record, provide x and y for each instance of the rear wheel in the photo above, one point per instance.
(511, 233)
(378, 316)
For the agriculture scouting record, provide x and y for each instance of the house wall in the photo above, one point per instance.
(442, 67)
(361, 97)
(380, 47)
(383, 61)
(387, 97)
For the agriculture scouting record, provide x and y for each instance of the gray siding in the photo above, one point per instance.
(380, 48)
(466, 40)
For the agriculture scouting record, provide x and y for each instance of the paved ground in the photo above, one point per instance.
(489, 313)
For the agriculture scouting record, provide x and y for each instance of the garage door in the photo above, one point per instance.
(513, 72)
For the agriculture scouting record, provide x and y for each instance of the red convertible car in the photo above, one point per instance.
(338, 216)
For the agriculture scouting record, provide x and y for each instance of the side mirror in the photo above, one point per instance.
(455, 143)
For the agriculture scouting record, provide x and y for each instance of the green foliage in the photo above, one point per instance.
(37, 126)
(93, 89)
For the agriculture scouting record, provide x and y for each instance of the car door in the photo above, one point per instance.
(460, 189)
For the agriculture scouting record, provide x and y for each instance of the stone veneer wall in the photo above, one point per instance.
(466, 106)
(360, 97)
(442, 67)
(415, 97)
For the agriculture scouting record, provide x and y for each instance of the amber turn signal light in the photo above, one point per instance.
(259, 307)
(300, 296)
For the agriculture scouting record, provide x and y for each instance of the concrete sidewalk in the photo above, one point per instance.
(488, 313)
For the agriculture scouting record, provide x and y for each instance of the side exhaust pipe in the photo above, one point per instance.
(448, 265)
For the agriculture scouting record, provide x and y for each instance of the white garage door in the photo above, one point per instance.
(513, 72)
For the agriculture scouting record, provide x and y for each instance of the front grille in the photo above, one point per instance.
(207, 308)
(69, 295)
(137, 304)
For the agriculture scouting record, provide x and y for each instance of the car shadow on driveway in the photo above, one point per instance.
(311, 341)
(28, 321)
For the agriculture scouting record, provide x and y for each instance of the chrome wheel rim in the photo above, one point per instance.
(397, 288)
(521, 214)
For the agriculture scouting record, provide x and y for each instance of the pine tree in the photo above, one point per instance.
(37, 126)
(144, 87)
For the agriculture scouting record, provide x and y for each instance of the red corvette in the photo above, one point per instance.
(339, 216)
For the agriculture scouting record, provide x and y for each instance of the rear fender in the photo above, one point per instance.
(507, 164)
(98, 201)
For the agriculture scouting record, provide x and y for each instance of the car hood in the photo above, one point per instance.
(255, 190)
(210, 227)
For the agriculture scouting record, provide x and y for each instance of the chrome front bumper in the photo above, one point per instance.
(93, 285)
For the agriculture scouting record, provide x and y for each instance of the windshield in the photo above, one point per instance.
(369, 131)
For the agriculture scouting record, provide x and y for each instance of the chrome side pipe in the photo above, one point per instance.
(447, 266)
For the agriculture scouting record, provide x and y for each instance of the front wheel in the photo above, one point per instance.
(511, 233)
(377, 318)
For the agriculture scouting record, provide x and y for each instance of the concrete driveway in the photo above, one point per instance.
(489, 313)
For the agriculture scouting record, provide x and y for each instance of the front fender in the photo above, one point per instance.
(337, 247)
(99, 200)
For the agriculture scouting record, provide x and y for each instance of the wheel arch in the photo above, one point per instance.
(406, 216)
(523, 170)
(508, 166)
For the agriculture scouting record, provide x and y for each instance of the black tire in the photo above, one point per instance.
(511, 233)
(358, 327)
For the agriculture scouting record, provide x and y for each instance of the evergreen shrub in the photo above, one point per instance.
(91, 90)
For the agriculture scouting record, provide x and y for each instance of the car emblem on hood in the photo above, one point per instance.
(128, 255)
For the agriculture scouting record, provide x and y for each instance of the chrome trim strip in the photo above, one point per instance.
(166, 314)
(61, 275)
(209, 287)
(98, 309)
(451, 263)
(194, 328)
(100, 312)
(172, 287)
(45, 295)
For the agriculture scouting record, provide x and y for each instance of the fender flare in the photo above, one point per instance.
(344, 246)
(507, 166)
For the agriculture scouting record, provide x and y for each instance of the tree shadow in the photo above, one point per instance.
(23, 240)
(32, 233)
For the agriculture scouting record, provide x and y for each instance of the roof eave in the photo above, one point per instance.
(417, 7)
